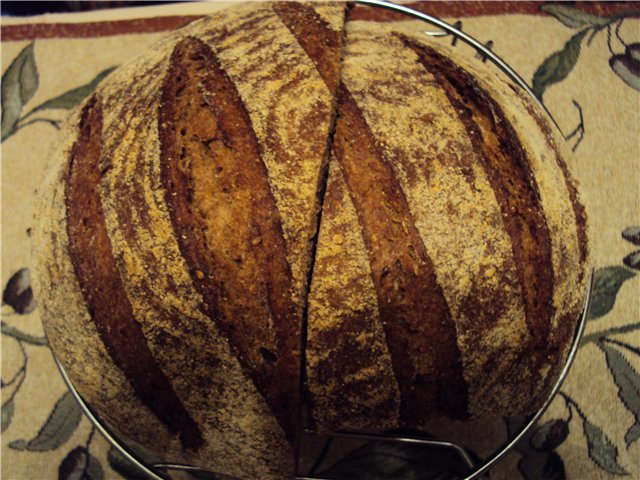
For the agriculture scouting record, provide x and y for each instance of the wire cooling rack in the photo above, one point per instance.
(472, 467)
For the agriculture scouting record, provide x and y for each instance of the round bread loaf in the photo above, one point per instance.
(193, 296)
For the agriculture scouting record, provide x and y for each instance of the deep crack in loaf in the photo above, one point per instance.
(273, 197)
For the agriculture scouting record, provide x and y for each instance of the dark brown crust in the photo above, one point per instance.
(578, 209)
(507, 168)
(413, 311)
(249, 23)
(99, 278)
(334, 401)
(227, 224)
(318, 40)
(323, 46)
(135, 206)
(342, 346)
(566, 324)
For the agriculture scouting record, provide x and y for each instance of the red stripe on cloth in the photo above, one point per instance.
(476, 8)
(160, 24)
(94, 29)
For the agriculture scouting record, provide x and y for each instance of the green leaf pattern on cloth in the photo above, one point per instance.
(7, 414)
(58, 428)
(73, 97)
(632, 434)
(628, 382)
(601, 449)
(606, 284)
(558, 66)
(25, 337)
(19, 84)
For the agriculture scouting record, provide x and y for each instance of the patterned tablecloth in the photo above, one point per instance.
(582, 60)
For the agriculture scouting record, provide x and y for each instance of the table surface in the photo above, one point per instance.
(584, 58)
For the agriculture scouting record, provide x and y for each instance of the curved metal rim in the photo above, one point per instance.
(502, 451)
(102, 428)
(571, 355)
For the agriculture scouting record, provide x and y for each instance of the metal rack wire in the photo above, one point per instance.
(159, 471)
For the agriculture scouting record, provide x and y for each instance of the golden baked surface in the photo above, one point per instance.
(182, 202)
(460, 201)
(272, 199)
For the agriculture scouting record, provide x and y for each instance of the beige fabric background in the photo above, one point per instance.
(607, 164)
